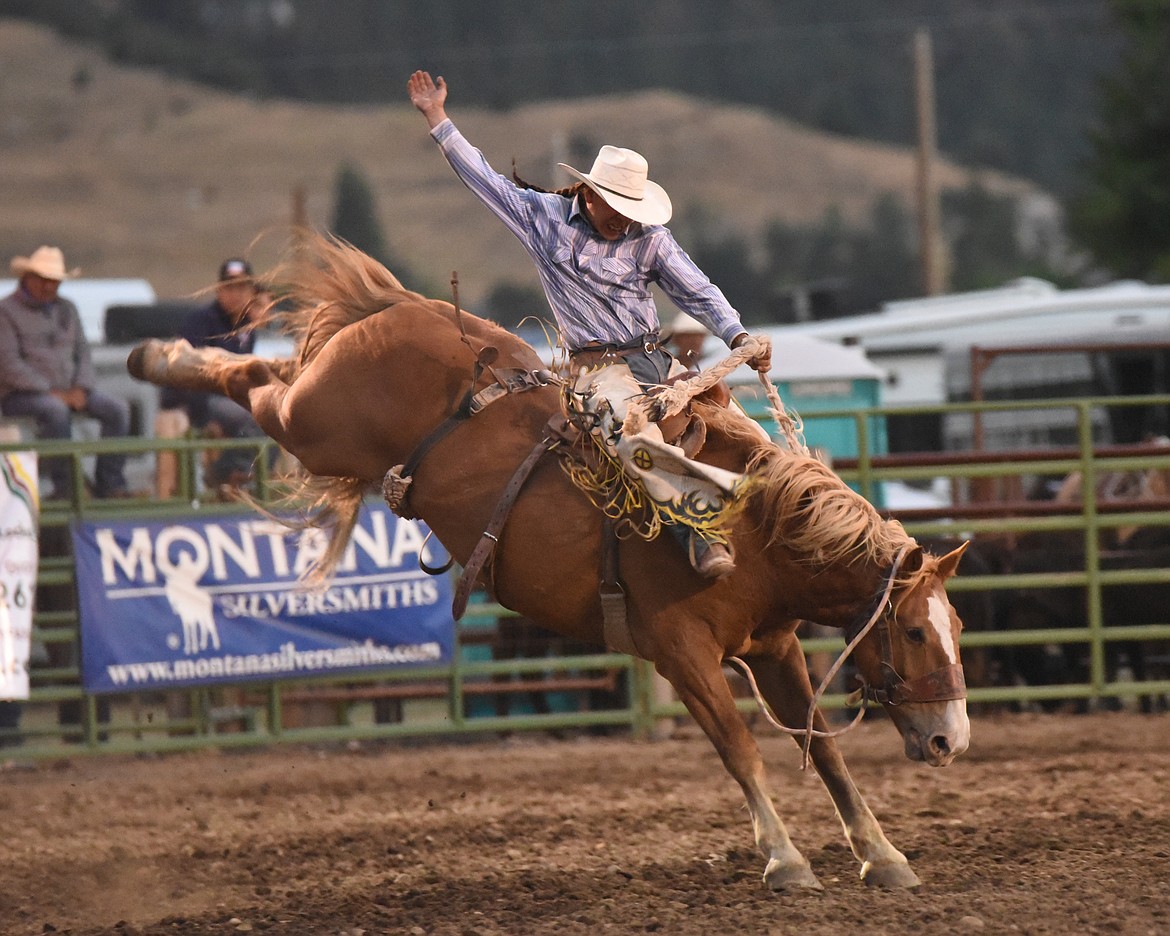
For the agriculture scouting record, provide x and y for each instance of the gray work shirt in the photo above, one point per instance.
(42, 348)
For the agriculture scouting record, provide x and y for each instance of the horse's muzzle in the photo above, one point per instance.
(934, 737)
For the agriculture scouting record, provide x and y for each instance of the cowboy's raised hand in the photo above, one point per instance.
(426, 94)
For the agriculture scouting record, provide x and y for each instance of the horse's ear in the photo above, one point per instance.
(948, 565)
(912, 562)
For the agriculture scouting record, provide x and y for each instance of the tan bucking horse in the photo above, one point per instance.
(379, 374)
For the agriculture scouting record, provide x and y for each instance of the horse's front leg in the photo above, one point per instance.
(698, 678)
(783, 679)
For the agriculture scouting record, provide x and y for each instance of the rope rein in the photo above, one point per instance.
(808, 732)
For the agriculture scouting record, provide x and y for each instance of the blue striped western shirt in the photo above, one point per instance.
(599, 290)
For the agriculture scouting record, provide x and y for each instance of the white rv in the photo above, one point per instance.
(925, 345)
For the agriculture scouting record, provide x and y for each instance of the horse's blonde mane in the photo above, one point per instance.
(813, 513)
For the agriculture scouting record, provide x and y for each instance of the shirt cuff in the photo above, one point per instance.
(732, 333)
(442, 131)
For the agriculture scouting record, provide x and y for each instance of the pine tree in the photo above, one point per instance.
(1123, 214)
(355, 215)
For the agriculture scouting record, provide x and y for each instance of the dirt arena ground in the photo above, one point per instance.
(1049, 824)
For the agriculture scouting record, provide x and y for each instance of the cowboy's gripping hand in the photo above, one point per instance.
(762, 359)
(429, 96)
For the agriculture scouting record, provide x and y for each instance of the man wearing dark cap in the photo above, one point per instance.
(222, 324)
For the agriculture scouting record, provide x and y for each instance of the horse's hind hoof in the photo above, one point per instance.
(892, 875)
(791, 878)
(136, 362)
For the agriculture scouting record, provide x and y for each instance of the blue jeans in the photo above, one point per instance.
(236, 423)
(53, 419)
(10, 718)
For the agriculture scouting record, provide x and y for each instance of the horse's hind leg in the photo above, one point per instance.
(783, 679)
(177, 364)
(702, 687)
(254, 383)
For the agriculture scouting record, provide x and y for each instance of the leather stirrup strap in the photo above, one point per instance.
(471, 404)
(491, 535)
(615, 620)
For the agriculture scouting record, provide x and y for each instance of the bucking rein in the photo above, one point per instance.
(669, 401)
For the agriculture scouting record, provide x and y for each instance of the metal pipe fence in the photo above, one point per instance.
(597, 691)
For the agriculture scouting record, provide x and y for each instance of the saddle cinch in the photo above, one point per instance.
(684, 429)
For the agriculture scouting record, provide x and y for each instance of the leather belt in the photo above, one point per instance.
(592, 355)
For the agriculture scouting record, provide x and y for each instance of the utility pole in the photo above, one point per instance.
(300, 214)
(929, 235)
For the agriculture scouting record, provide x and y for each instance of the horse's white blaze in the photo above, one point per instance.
(958, 725)
(941, 619)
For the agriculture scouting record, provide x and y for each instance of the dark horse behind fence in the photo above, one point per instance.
(380, 367)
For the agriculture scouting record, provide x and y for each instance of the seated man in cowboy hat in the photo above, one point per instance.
(46, 372)
(597, 247)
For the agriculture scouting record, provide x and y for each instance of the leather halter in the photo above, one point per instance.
(941, 685)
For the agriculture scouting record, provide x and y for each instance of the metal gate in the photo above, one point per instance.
(488, 689)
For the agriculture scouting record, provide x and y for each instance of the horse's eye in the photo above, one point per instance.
(916, 635)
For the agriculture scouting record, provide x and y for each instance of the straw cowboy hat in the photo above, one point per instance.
(619, 177)
(46, 262)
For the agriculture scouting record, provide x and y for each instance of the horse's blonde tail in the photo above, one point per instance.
(338, 501)
(330, 505)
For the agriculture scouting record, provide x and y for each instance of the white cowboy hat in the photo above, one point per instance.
(619, 177)
(46, 262)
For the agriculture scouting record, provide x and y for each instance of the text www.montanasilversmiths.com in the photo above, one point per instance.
(288, 659)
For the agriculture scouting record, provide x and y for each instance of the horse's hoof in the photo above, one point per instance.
(891, 875)
(791, 877)
(136, 362)
(145, 357)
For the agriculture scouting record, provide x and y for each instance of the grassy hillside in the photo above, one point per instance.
(138, 174)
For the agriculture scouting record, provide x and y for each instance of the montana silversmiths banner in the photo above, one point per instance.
(199, 601)
(19, 511)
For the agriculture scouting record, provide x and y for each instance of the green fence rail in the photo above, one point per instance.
(559, 689)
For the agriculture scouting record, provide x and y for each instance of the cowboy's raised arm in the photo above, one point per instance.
(497, 192)
(428, 96)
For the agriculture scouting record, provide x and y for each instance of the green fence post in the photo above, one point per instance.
(642, 699)
(455, 709)
(275, 710)
(91, 721)
(188, 486)
(864, 466)
(1092, 550)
